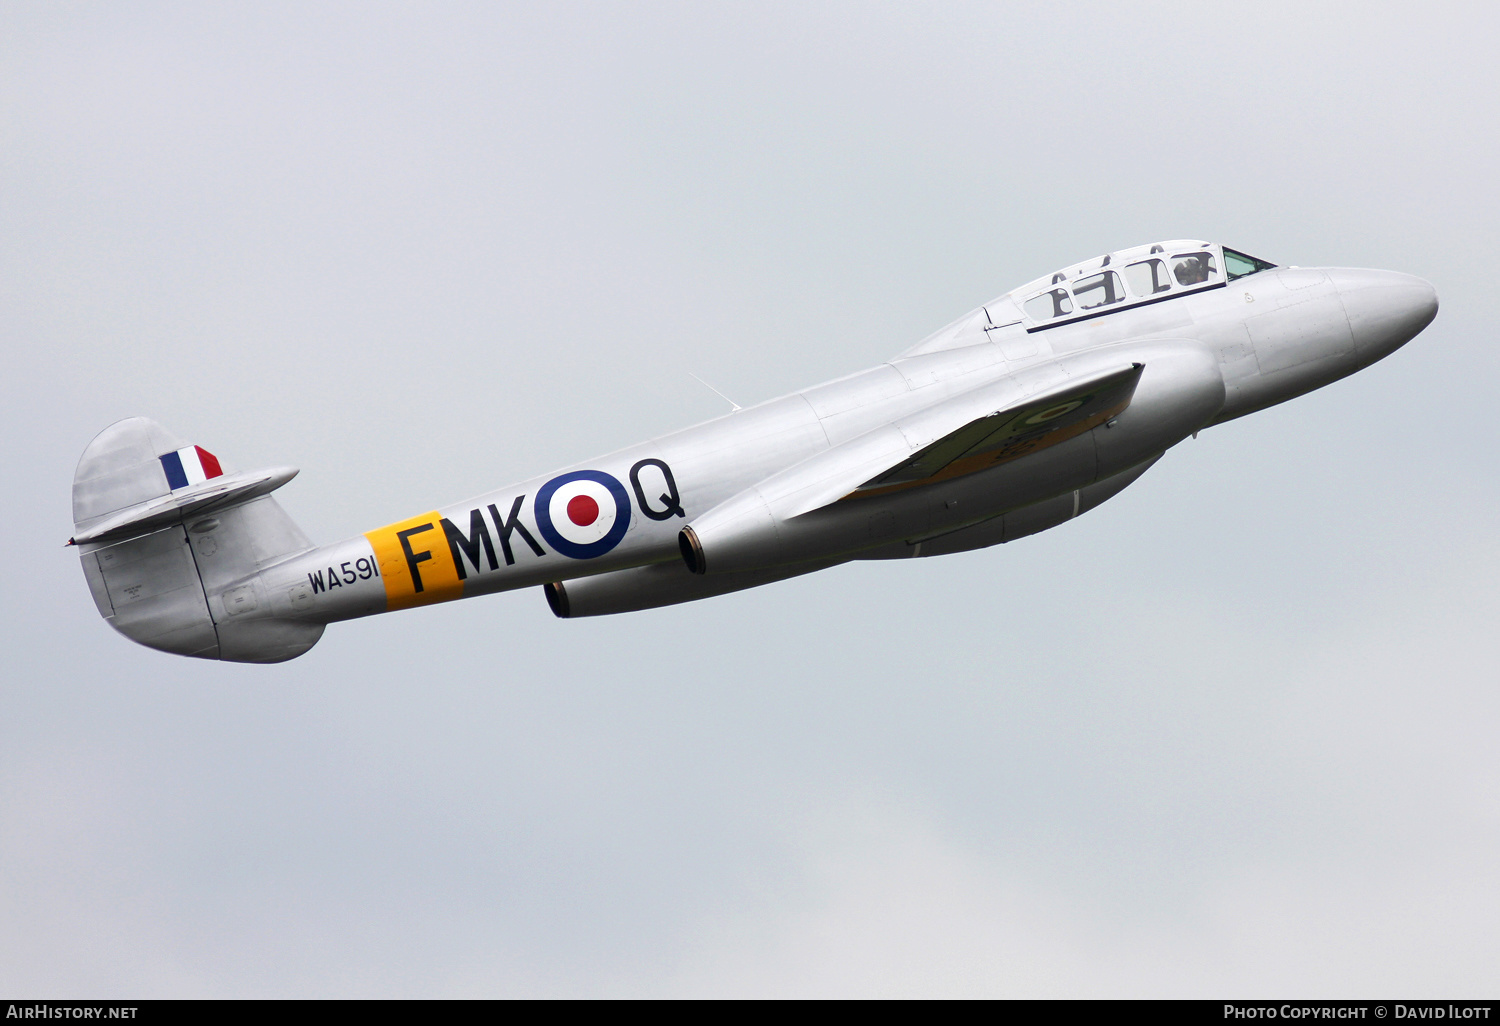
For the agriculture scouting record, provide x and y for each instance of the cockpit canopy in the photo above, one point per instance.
(1117, 281)
(1131, 277)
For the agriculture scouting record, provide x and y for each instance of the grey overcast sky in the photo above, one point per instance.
(1233, 733)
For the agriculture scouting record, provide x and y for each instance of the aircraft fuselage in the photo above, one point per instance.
(743, 499)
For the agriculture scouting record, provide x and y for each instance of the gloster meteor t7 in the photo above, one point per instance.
(1015, 418)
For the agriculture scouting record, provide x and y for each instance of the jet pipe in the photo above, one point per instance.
(666, 584)
(660, 584)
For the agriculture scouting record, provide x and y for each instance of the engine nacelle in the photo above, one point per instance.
(1180, 391)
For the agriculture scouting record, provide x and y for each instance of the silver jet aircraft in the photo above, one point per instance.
(1015, 418)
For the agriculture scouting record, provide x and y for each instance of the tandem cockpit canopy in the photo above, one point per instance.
(1155, 273)
(1131, 277)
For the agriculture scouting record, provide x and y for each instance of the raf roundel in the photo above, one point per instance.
(583, 514)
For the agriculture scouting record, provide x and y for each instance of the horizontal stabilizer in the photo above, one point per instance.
(209, 496)
(136, 477)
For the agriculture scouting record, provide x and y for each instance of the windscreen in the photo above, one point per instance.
(1239, 264)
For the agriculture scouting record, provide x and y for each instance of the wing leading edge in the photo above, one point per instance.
(1038, 423)
(964, 434)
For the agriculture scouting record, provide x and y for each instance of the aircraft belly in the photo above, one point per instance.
(1017, 523)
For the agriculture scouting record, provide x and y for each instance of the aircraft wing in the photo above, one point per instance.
(961, 435)
(1019, 430)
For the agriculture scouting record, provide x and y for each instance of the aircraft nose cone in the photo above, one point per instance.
(1386, 308)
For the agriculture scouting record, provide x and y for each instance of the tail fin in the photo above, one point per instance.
(172, 545)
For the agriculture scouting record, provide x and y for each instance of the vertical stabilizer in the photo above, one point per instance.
(121, 469)
(172, 546)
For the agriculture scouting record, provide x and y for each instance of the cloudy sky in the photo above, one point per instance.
(1232, 733)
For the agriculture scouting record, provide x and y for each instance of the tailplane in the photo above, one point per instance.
(172, 543)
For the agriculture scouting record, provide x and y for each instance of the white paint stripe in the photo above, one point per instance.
(192, 466)
(583, 534)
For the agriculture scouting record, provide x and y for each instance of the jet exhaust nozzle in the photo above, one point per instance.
(557, 599)
(692, 550)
